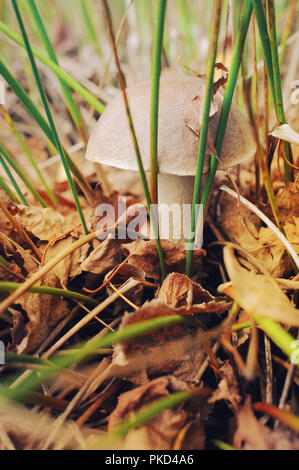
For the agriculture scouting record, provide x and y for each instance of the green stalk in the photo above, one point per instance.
(13, 182)
(263, 30)
(186, 25)
(93, 37)
(153, 410)
(203, 136)
(60, 362)
(28, 154)
(26, 181)
(223, 445)
(42, 123)
(3, 261)
(10, 286)
(85, 94)
(49, 115)
(156, 71)
(228, 95)
(10, 193)
(70, 102)
(135, 143)
(277, 333)
(277, 82)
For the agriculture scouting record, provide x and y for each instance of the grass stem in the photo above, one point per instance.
(156, 71)
(49, 115)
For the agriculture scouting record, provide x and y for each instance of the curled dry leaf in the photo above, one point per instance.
(70, 266)
(178, 290)
(251, 434)
(161, 432)
(103, 258)
(244, 227)
(177, 349)
(228, 388)
(285, 132)
(13, 252)
(287, 200)
(259, 295)
(189, 297)
(44, 312)
(144, 255)
(44, 223)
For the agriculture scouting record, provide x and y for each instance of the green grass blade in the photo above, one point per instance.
(28, 154)
(263, 31)
(223, 445)
(42, 123)
(70, 102)
(60, 362)
(277, 82)
(7, 189)
(72, 83)
(156, 71)
(135, 143)
(93, 37)
(13, 182)
(203, 135)
(186, 26)
(3, 261)
(153, 410)
(10, 286)
(49, 115)
(24, 178)
(228, 95)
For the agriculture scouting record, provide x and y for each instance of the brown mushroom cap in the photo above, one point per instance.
(181, 98)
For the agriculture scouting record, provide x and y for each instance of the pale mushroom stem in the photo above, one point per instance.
(175, 195)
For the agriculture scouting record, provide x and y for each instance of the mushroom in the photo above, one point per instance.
(180, 110)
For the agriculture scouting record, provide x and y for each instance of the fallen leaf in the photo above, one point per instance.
(70, 266)
(228, 388)
(177, 349)
(160, 433)
(259, 295)
(44, 312)
(179, 290)
(188, 297)
(13, 252)
(144, 255)
(44, 223)
(251, 434)
(285, 132)
(103, 258)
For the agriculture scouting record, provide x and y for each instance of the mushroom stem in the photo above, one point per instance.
(175, 195)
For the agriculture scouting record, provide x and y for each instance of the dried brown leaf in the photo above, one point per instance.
(244, 228)
(44, 312)
(144, 255)
(228, 388)
(177, 349)
(70, 266)
(103, 258)
(251, 434)
(259, 295)
(179, 290)
(161, 432)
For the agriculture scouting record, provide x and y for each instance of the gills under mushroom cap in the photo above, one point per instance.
(180, 110)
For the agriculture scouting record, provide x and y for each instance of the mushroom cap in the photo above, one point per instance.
(180, 110)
